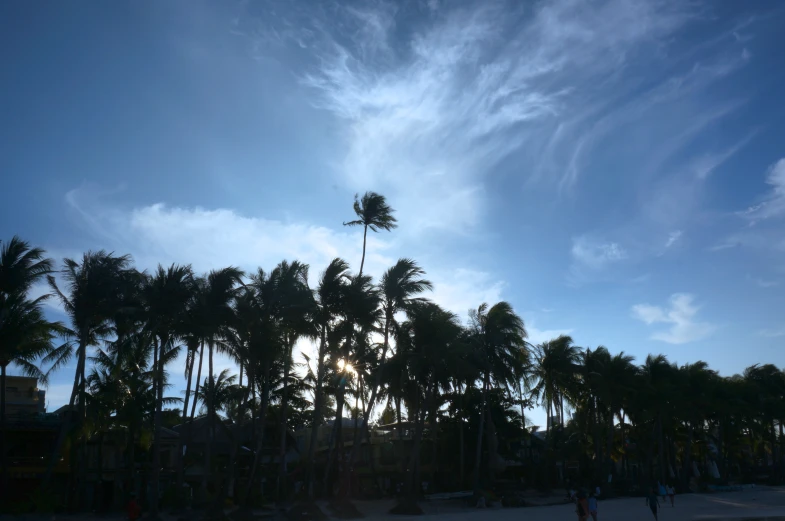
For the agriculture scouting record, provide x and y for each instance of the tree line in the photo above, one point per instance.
(378, 345)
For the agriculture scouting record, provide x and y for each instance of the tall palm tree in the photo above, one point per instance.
(659, 384)
(372, 212)
(296, 307)
(95, 291)
(434, 354)
(216, 315)
(556, 371)
(620, 376)
(25, 335)
(398, 289)
(330, 295)
(360, 313)
(498, 336)
(165, 298)
(261, 320)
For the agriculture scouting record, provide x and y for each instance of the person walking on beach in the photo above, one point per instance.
(582, 507)
(671, 493)
(593, 506)
(133, 509)
(653, 502)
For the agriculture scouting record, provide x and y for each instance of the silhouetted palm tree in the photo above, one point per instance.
(330, 296)
(372, 212)
(165, 298)
(94, 293)
(498, 337)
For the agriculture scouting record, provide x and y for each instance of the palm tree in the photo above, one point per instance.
(498, 336)
(360, 314)
(659, 390)
(434, 352)
(372, 212)
(216, 314)
(165, 299)
(222, 392)
(330, 295)
(25, 335)
(265, 344)
(768, 385)
(21, 266)
(398, 289)
(558, 362)
(620, 376)
(295, 306)
(95, 292)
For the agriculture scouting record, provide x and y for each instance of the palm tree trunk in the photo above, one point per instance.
(100, 471)
(414, 457)
(4, 474)
(284, 402)
(265, 398)
(210, 420)
(65, 426)
(623, 445)
(372, 399)
(661, 446)
(190, 371)
(688, 457)
(158, 356)
(317, 414)
(365, 236)
(336, 438)
(196, 389)
(132, 458)
(610, 441)
(460, 439)
(81, 474)
(478, 450)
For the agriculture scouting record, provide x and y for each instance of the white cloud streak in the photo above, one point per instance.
(433, 103)
(773, 204)
(772, 333)
(673, 237)
(680, 314)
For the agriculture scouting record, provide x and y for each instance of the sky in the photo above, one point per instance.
(614, 169)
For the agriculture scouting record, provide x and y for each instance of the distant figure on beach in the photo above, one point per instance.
(593, 506)
(661, 490)
(653, 502)
(133, 509)
(597, 491)
(671, 493)
(582, 507)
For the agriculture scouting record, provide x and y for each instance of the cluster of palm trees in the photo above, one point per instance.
(377, 344)
(661, 416)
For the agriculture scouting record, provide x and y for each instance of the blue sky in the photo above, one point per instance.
(614, 169)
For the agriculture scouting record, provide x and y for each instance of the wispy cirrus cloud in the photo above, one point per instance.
(772, 333)
(763, 220)
(773, 203)
(680, 315)
(433, 100)
(673, 238)
(704, 165)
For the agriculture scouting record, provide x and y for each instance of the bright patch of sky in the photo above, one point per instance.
(615, 169)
